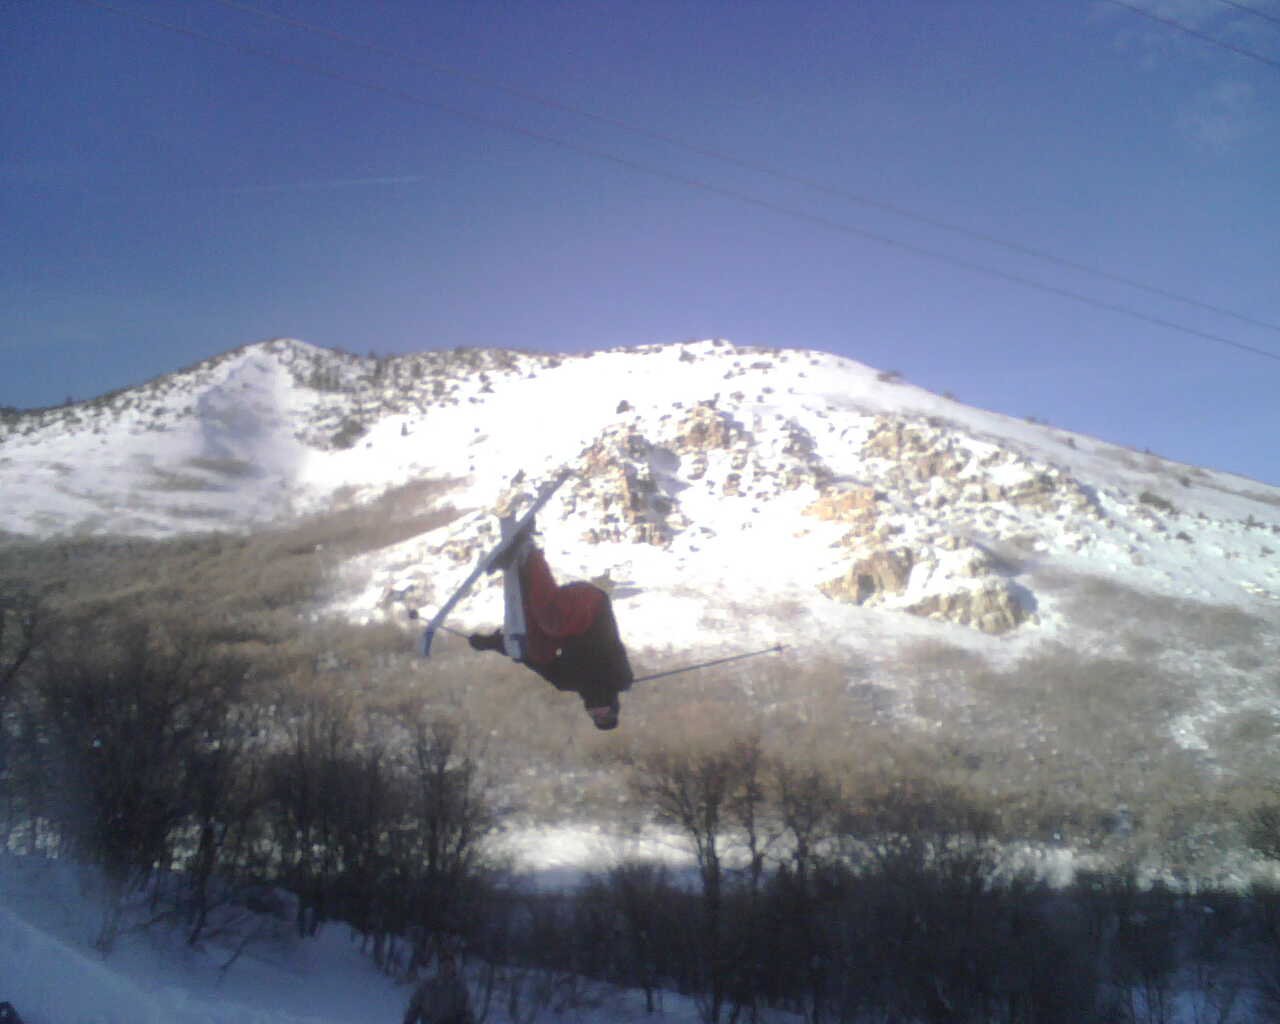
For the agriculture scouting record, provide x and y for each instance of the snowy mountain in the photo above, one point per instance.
(1062, 613)
(727, 496)
(709, 474)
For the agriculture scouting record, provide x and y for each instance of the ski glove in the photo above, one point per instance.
(486, 641)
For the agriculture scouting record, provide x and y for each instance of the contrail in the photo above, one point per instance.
(319, 186)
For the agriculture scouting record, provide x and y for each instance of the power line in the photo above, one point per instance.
(1252, 10)
(695, 183)
(1189, 30)
(781, 175)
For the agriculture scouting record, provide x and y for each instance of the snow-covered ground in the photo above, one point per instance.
(50, 913)
(282, 427)
(50, 970)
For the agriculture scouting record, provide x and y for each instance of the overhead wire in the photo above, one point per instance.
(690, 182)
(1252, 10)
(748, 165)
(1193, 31)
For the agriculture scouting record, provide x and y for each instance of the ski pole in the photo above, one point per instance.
(775, 649)
(413, 615)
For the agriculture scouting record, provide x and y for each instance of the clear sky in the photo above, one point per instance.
(165, 197)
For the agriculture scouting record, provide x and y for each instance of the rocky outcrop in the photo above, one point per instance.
(626, 481)
(799, 462)
(962, 583)
(934, 484)
(1050, 491)
(920, 452)
(858, 508)
(703, 430)
(847, 505)
(992, 607)
(883, 573)
(705, 427)
(927, 463)
(905, 535)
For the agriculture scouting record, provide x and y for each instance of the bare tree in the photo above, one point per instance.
(641, 892)
(129, 709)
(449, 813)
(809, 806)
(305, 780)
(20, 617)
(699, 793)
(225, 796)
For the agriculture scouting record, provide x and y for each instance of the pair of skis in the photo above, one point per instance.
(513, 532)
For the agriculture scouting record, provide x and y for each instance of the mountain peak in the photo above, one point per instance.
(707, 456)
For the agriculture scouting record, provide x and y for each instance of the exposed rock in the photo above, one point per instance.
(1049, 490)
(705, 427)
(800, 443)
(892, 439)
(945, 463)
(847, 505)
(884, 572)
(619, 482)
(967, 560)
(799, 464)
(930, 468)
(1037, 491)
(992, 607)
(795, 477)
(978, 599)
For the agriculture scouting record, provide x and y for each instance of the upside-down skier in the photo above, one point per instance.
(572, 639)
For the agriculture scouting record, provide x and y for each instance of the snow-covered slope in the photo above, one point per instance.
(723, 491)
(51, 974)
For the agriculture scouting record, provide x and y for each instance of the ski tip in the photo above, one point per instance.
(425, 644)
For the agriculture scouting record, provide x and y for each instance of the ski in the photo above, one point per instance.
(515, 632)
(511, 534)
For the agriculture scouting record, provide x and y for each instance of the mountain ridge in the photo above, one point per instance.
(1074, 614)
(923, 504)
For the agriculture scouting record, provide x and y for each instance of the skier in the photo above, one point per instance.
(573, 640)
(442, 998)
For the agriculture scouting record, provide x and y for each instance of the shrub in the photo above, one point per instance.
(1157, 502)
(348, 433)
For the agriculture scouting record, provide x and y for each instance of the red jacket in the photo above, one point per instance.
(553, 613)
(573, 639)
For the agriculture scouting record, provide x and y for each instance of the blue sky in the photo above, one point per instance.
(165, 197)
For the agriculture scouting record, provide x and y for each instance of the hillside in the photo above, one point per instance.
(768, 477)
(1063, 611)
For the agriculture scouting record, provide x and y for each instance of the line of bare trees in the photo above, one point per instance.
(206, 785)
(900, 903)
(158, 753)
